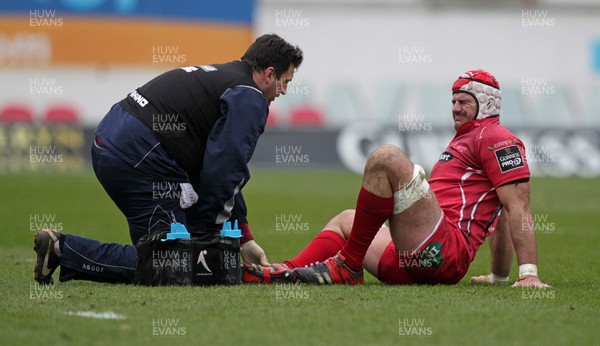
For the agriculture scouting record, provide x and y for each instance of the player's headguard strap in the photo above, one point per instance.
(484, 87)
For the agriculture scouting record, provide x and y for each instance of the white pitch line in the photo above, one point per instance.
(107, 315)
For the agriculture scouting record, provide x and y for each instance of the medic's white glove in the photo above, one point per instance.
(253, 253)
(188, 196)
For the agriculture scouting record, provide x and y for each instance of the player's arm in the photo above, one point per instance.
(501, 249)
(515, 199)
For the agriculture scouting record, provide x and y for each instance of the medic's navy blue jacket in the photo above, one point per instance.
(207, 119)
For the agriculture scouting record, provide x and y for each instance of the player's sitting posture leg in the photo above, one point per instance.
(393, 189)
(326, 244)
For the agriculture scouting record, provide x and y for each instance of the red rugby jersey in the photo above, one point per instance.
(482, 157)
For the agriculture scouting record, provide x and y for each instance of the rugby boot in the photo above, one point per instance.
(47, 261)
(331, 272)
(275, 273)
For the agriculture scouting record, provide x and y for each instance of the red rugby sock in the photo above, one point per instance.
(326, 244)
(371, 212)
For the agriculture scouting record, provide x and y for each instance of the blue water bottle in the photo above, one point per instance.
(229, 250)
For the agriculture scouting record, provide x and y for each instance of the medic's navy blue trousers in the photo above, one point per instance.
(143, 181)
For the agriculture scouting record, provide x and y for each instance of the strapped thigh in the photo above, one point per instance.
(415, 190)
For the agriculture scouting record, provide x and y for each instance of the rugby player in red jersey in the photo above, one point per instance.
(478, 188)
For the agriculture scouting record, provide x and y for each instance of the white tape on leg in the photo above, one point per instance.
(416, 189)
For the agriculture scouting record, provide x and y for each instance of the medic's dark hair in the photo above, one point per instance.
(272, 51)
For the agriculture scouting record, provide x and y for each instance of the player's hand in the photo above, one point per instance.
(530, 281)
(485, 280)
(188, 196)
(253, 253)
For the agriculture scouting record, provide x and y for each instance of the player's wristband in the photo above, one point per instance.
(246, 233)
(495, 279)
(528, 269)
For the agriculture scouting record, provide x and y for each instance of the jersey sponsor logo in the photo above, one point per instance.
(141, 100)
(446, 156)
(502, 144)
(461, 148)
(430, 257)
(509, 158)
(432, 254)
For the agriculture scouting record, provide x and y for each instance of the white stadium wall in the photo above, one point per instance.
(365, 55)
(381, 72)
(90, 90)
(377, 72)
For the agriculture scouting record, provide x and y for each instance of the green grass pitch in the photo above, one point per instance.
(286, 210)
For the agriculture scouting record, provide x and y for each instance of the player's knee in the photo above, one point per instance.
(346, 221)
(390, 160)
(342, 223)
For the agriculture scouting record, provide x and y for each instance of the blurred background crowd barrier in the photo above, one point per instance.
(375, 72)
